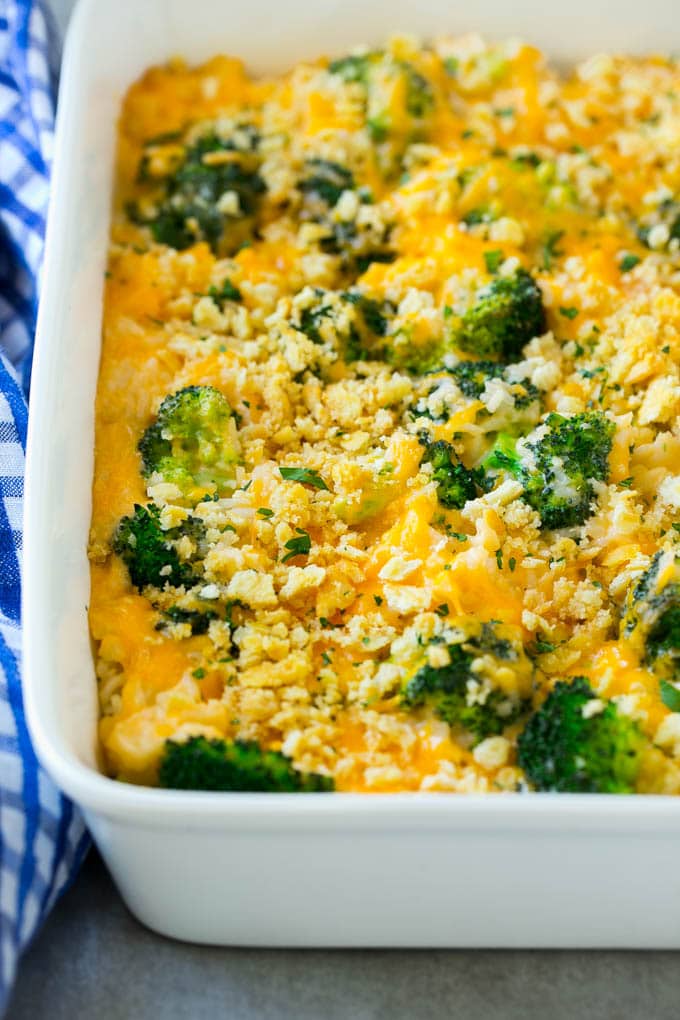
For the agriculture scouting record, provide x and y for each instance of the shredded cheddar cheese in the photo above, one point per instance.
(362, 503)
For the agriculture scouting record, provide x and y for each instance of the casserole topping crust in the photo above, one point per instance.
(387, 483)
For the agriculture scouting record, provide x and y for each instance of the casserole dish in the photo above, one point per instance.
(256, 869)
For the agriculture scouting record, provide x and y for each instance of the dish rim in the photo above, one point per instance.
(113, 798)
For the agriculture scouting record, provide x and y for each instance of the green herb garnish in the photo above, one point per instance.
(303, 475)
(628, 262)
(300, 545)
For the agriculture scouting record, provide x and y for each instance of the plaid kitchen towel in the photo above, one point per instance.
(42, 838)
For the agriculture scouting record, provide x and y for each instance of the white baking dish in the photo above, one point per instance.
(385, 870)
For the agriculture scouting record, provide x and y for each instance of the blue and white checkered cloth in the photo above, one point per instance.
(42, 838)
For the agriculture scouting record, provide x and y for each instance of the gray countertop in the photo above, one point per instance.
(93, 960)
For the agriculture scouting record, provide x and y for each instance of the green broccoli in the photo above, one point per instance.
(475, 217)
(667, 215)
(193, 441)
(371, 323)
(503, 457)
(651, 622)
(419, 97)
(355, 67)
(557, 465)
(381, 77)
(569, 749)
(472, 376)
(456, 484)
(148, 552)
(569, 457)
(466, 692)
(358, 242)
(312, 319)
(227, 291)
(326, 181)
(663, 643)
(519, 408)
(198, 614)
(368, 495)
(507, 314)
(358, 246)
(239, 765)
(199, 620)
(188, 199)
(375, 314)
(417, 356)
(350, 321)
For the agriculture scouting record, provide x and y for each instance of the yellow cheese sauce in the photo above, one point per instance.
(313, 247)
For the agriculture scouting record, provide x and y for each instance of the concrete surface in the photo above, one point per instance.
(92, 961)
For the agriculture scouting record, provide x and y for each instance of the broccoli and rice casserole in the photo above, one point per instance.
(387, 490)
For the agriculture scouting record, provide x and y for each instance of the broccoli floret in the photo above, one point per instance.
(372, 323)
(147, 551)
(566, 748)
(311, 322)
(472, 376)
(456, 484)
(663, 644)
(667, 215)
(357, 241)
(198, 620)
(419, 357)
(507, 314)
(327, 181)
(239, 765)
(358, 246)
(355, 67)
(569, 457)
(518, 408)
(651, 622)
(381, 255)
(419, 97)
(370, 495)
(397, 98)
(366, 502)
(483, 687)
(186, 200)
(503, 457)
(375, 314)
(193, 441)
(557, 465)
(526, 394)
(227, 291)
(475, 217)
(197, 614)
(350, 321)
(398, 78)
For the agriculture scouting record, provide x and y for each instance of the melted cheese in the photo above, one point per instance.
(563, 170)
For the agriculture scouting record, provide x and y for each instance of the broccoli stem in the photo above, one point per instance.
(239, 765)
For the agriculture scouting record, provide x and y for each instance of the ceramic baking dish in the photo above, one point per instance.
(306, 870)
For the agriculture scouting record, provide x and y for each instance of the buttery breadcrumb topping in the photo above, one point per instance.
(387, 441)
